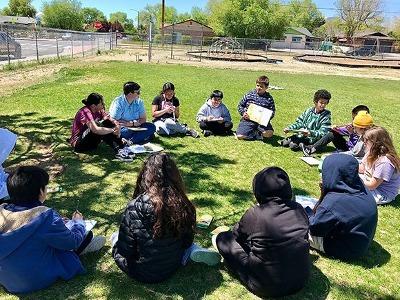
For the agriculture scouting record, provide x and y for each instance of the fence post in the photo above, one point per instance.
(58, 54)
(83, 49)
(201, 44)
(98, 43)
(8, 46)
(37, 47)
(72, 45)
(172, 40)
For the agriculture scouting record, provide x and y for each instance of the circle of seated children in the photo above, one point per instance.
(165, 110)
(345, 196)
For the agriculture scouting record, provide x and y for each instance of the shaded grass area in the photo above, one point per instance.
(218, 172)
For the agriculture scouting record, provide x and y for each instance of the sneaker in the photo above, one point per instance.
(307, 151)
(284, 142)
(206, 256)
(125, 154)
(259, 137)
(127, 142)
(192, 133)
(95, 244)
(214, 241)
(294, 146)
(207, 133)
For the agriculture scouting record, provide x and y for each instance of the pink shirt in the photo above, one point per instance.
(82, 118)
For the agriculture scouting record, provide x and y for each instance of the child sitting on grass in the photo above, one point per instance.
(344, 220)
(36, 246)
(311, 125)
(214, 117)
(165, 111)
(337, 135)
(251, 130)
(380, 166)
(268, 249)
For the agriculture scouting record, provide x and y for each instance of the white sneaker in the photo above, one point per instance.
(206, 256)
(214, 241)
(95, 244)
(125, 154)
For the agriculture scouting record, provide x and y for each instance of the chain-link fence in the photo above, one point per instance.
(184, 47)
(21, 42)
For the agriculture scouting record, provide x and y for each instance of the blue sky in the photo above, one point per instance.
(185, 6)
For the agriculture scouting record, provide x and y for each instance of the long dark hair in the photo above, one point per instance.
(160, 179)
(382, 144)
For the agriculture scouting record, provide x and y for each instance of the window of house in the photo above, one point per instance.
(296, 39)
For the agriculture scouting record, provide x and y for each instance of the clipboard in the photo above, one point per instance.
(259, 114)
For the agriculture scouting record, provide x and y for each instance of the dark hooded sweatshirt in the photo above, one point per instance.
(269, 247)
(347, 215)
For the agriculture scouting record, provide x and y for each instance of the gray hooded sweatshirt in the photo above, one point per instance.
(208, 110)
(7, 143)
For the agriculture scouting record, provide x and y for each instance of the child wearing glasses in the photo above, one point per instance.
(165, 111)
(380, 166)
(214, 117)
(128, 109)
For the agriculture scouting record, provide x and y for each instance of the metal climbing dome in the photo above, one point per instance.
(227, 47)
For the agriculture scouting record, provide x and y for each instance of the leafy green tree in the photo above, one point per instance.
(199, 15)
(92, 14)
(332, 28)
(395, 30)
(122, 18)
(21, 8)
(154, 12)
(304, 13)
(63, 14)
(248, 18)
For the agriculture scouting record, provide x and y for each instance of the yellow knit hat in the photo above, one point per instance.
(363, 120)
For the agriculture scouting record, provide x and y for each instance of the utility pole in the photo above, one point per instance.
(162, 21)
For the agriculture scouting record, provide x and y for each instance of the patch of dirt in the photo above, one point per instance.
(289, 64)
(44, 158)
(10, 81)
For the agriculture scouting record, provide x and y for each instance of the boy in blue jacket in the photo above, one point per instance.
(36, 246)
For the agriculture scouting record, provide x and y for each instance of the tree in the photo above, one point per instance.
(395, 30)
(154, 12)
(357, 14)
(21, 8)
(199, 15)
(248, 18)
(63, 14)
(304, 13)
(332, 28)
(122, 18)
(91, 14)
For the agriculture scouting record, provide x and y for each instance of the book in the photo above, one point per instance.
(89, 224)
(146, 148)
(204, 221)
(259, 114)
(306, 201)
(216, 120)
(220, 229)
(310, 160)
(301, 130)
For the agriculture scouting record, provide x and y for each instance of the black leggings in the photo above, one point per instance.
(216, 127)
(89, 140)
(332, 136)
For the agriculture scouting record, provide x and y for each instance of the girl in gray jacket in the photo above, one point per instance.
(214, 117)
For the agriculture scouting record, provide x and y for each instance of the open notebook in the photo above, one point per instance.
(89, 224)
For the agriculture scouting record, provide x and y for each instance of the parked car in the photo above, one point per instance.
(362, 51)
(14, 48)
(66, 36)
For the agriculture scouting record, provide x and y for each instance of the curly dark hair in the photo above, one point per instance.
(161, 180)
(322, 94)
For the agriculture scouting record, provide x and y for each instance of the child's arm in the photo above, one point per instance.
(242, 106)
(299, 123)
(372, 183)
(60, 237)
(325, 126)
(322, 222)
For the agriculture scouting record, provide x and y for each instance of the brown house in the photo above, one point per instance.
(375, 39)
(190, 28)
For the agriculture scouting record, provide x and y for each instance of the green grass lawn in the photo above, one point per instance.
(218, 172)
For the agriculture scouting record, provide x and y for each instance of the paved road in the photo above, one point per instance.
(48, 47)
